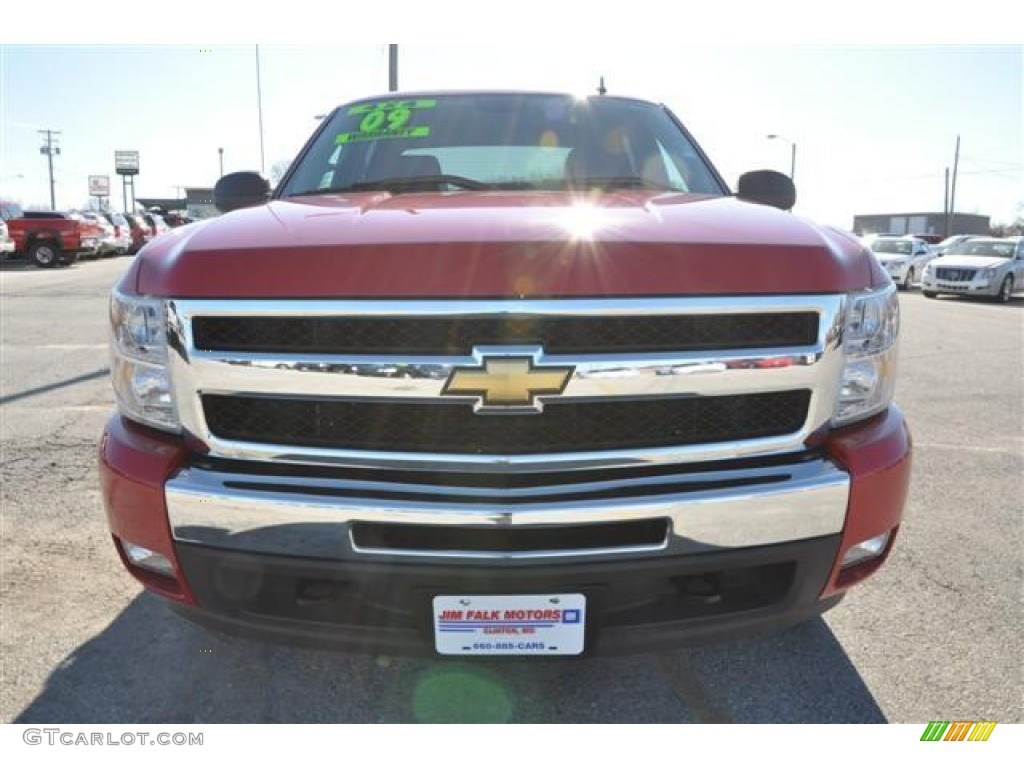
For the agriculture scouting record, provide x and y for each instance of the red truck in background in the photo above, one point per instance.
(49, 238)
(504, 374)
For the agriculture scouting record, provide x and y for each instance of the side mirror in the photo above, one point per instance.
(243, 189)
(768, 188)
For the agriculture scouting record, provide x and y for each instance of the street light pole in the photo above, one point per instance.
(259, 107)
(792, 153)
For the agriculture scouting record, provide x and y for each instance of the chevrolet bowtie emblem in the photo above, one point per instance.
(508, 381)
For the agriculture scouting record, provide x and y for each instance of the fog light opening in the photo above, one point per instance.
(147, 559)
(866, 550)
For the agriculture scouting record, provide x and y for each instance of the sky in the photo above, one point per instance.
(875, 125)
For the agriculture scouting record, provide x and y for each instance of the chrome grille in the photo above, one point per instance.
(705, 379)
(955, 275)
(458, 336)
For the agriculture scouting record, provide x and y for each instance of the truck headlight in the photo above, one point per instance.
(872, 327)
(138, 370)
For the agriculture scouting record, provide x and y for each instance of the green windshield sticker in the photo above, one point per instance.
(387, 120)
(413, 132)
(384, 106)
(374, 121)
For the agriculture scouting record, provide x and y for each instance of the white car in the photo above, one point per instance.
(122, 231)
(949, 242)
(981, 266)
(6, 241)
(108, 237)
(904, 258)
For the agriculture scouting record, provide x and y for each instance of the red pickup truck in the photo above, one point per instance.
(49, 238)
(504, 374)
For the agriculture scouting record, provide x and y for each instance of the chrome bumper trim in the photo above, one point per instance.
(310, 517)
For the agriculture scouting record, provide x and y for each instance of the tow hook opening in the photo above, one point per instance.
(705, 587)
(311, 592)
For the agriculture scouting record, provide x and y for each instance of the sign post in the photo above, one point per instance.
(99, 187)
(126, 164)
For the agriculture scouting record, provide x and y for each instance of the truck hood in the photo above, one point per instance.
(501, 244)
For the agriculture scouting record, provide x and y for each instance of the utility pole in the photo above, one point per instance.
(220, 151)
(50, 150)
(601, 90)
(945, 206)
(952, 191)
(392, 68)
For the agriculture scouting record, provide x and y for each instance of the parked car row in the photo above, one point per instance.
(966, 265)
(51, 238)
(47, 238)
(124, 233)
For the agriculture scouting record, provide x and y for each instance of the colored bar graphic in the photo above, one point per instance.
(934, 730)
(958, 730)
(982, 731)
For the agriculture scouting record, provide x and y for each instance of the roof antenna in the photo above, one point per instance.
(601, 90)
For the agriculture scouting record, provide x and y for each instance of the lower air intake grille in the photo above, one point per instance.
(564, 426)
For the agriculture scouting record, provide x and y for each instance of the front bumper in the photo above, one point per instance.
(244, 550)
(897, 271)
(978, 286)
(386, 607)
(89, 246)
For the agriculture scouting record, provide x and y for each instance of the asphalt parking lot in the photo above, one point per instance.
(937, 635)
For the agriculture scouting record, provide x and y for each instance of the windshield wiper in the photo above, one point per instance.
(401, 184)
(434, 183)
(616, 182)
(428, 183)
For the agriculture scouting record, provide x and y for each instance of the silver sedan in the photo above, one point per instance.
(989, 266)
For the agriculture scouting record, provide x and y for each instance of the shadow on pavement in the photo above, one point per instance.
(149, 665)
(97, 374)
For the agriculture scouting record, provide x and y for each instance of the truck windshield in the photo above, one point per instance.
(501, 141)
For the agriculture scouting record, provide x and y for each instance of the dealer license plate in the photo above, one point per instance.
(509, 625)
